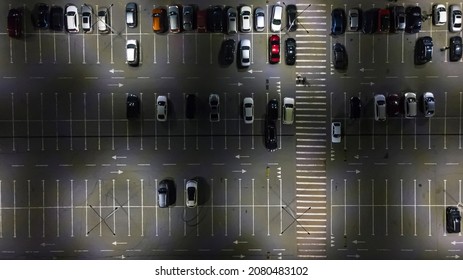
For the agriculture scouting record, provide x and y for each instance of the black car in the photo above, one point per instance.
(370, 21)
(413, 19)
(131, 14)
(397, 18)
(56, 18)
(271, 142)
(133, 106)
(272, 110)
(455, 48)
(393, 105)
(40, 15)
(355, 107)
(190, 106)
(291, 14)
(453, 219)
(290, 51)
(215, 19)
(423, 50)
(338, 21)
(227, 52)
(14, 23)
(339, 57)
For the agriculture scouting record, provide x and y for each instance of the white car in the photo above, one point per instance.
(132, 52)
(380, 107)
(245, 53)
(288, 110)
(439, 14)
(455, 18)
(72, 19)
(429, 104)
(277, 13)
(410, 105)
(248, 110)
(87, 11)
(191, 193)
(103, 20)
(161, 108)
(259, 19)
(245, 19)
(336, 132)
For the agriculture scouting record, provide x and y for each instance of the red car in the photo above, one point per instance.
(384, 19)
(274, 47)
(14, 23)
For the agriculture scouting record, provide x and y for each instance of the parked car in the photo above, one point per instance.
(410, 105)
(429, 105)
(161, 108)
(380, 107)
(259, 19)
(455, 48)
(227, 52)
(248, 110)
(272, 110)
(288, 110)
(336, 132)
(56, 18)
(392, 105)
(271, 141)
(159, 20)
(14, 23)
(214, 19)
(277, 14)
(132, 106)
(245, 53)
(165, 190)
(455, 18)
(201, 20)
(291, 17)
(339, 57)
(103, 20)
(384, 19)
(355, 16)
(338, 21)
(72, 19)
(231, 21)
(397, 18)
(132, 52)
(214, 104)
(190, 109)
(413, 19)
(188, 16)
(274, 49)
(131, 14)
(245, 18)
(40, 15)
(453, 218)
(439, 14)
(87, 12)
(290, 51)
(423, 50)
(355, 107)
(370, 21)
(191, 193)
(174, 18)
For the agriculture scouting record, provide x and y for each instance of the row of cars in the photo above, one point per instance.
(166, 193)
(393, 19)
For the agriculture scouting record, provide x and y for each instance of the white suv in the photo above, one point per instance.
(72, 19)
(277, 13)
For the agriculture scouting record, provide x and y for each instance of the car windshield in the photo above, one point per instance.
(191, 193)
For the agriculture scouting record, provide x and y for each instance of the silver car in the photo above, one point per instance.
(410, 105)
(191, 193)
(245, 19)
(161, 108)
(245, 53)
(380, 107)
(87, 11)
(231, 21)
(174, 19)
(429, 104)
(336, 132)
(248, 110)
(354, 23)
(164, 191)
(259, 19)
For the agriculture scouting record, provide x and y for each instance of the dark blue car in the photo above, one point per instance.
(338, 21)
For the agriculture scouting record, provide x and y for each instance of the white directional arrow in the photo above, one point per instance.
(370, 83)
(252, 71)
(358, 242)
(453, 257)
(118, 157)
(239, 242)
(115, 85)
(115, 71)
(119, 257)
(117, 172)
(456, 242)
(354, 256)
(115, 243)
(240, 171)
(236, 84)
(47, 244)
(240, 156)
(239, 256)
(356, 171)
(365, 69)
(357, 156)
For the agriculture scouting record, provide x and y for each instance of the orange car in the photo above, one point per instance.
(159, 20)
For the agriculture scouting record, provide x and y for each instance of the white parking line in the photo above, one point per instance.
(12, 121)
(401, 208)
(281, 205)
(14, 208)
(156, 208)
(128, 207)
(226, 206)
(386, 218)
(168, 127)
(414, 206)
(239, 123)
(155, 129)
(57, 208)
(56, 121)
(41, 121)
(373, 207)
(331, 207)
(252, 128)
(43, 208)
(445, 121)
(253, 206)
(127, 135)
(29, 208)
(429, 206)
(86, 207)
(99, 199)
(268, 207)
(83, 49)
(225, 119)
(459, 123)
(141, 123)
(239, 206)
(212, 205)
(445, 202)
(72, 208)
(70, 120)
(112, 120)
(27, 121)
(1, 213)
(142, 207)
(359, 208)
